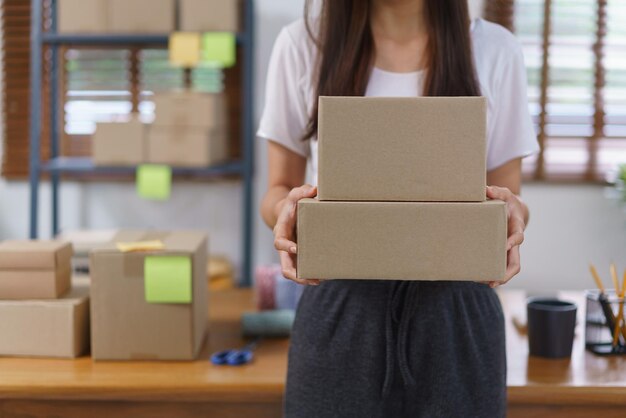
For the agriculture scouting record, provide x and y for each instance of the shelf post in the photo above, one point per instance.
(54, 118)
(248, 143)
(35, 112)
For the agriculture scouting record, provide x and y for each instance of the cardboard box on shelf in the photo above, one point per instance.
(149, 305)
(402, 240)
(402, 149)
(186, 147)
(34, 269)
(46, 328)
(82, 16)
(141, 16)
(209, 15)
(119, 143)
(189, 109)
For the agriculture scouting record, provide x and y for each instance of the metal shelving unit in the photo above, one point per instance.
(58, 165)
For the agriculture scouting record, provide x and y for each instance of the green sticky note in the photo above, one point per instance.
(167, 279)
(219, 49)
(154, 182)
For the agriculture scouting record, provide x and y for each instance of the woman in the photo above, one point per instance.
(388, 348)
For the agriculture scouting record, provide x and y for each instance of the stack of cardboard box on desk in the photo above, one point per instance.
(41, 313)
(189, 129)
(147, 298)
(402, 193)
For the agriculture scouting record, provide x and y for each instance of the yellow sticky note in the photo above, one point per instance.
(167, 279)
(184, 49)
(219, 49)
(154, 182)
(127, 247)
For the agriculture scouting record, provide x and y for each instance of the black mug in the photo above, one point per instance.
(551, 324)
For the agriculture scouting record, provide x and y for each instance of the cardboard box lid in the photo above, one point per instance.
(175, 242)
(402, 148)
(34, 255)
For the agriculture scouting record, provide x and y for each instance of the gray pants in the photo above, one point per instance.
(397, 349)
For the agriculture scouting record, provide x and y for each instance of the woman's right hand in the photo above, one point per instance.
(285, 232)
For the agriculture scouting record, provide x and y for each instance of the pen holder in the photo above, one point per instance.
(600, 319)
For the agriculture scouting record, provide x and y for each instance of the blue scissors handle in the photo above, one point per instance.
(234, 357)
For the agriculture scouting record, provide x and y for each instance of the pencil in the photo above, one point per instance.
(615, 279)
(594, 273)
(620, 315)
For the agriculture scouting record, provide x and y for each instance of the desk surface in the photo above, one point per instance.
(585, 379)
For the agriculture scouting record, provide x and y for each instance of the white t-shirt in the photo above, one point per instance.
(290, 93)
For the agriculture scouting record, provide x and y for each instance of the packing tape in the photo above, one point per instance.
(277, 323)
(264, 286)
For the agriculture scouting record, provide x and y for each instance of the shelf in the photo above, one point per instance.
(84, 165)
(111, 39)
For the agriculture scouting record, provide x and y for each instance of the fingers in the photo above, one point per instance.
(513, 266)
(302, 192)
(499, 193)
(288, 269)
(283, 244)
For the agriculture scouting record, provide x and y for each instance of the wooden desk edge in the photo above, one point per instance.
(261, 393)
(572, 395)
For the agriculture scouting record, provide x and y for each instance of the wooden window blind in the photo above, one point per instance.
(95, 85)
(575, 53)
(15, 86)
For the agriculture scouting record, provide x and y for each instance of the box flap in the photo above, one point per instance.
(176, 242)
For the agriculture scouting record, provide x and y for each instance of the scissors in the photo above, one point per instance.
(235, 357)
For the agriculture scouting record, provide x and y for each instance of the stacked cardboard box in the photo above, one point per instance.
(119, 143)
(209, 15)
(38, 317)
(149, 304)
(116, 16)
(402, 193)
(189, 129)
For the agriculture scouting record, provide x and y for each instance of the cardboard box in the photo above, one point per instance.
(402, 240)
(186, 147)
(209, 15)
(189, 109)
(141, 16)
(119, 143)
(34, 269)
(34, 255)
(82, 16)
(52, 328)
(402, 149)
(125, 326)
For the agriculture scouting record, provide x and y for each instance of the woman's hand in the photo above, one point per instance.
(285, 232)
(516, 213)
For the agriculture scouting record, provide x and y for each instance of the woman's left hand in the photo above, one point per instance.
(516, 213)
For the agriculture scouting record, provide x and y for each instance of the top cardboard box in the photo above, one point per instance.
(402, 149)
(34, 255)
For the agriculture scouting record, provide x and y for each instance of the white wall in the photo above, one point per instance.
(570, 226)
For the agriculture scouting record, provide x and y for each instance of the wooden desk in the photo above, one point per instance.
(79, 388)
(583, 386)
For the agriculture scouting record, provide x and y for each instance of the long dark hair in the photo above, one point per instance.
(346, 50)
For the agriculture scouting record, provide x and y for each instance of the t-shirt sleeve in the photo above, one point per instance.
(511, 133)
(285, 116)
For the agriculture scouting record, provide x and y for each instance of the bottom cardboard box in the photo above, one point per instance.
(186, 147)
(46, 328)
(119, 143)
(401, 240)
(35, 284)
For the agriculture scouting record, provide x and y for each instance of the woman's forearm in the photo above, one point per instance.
(273, 203)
